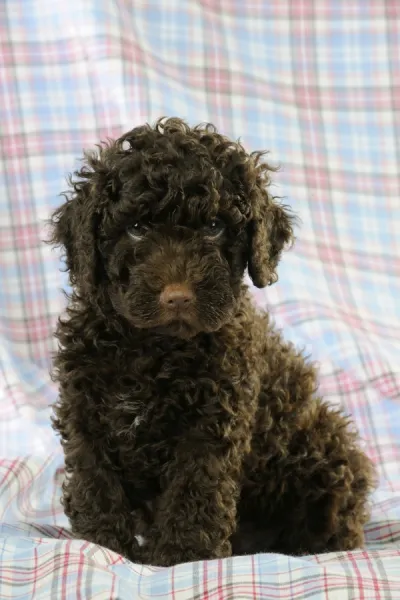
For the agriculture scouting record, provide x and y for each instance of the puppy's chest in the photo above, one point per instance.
(155, 395)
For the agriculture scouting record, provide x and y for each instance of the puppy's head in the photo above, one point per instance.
(163, 222)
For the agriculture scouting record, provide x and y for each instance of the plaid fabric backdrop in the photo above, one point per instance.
(317, 83)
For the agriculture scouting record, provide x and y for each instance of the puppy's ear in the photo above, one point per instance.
(270, 230)
(61, 222)
(75, 223)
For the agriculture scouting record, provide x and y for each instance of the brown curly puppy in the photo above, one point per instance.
(191, 430)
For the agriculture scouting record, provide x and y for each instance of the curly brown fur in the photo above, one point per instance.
(184, 416)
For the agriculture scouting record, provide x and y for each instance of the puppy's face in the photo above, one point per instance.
(164, 222)
(178, 270)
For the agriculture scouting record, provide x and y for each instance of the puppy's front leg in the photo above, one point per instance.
(98, 510)
(196, 515)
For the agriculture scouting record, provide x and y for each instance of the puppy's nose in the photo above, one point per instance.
(176, 296)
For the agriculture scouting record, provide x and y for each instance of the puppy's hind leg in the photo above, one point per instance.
(313, 497)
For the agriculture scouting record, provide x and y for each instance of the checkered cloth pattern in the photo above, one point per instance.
(317, 83)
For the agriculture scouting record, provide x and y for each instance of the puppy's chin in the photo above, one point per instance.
(182, 328)
(187, 328)
(178, 328)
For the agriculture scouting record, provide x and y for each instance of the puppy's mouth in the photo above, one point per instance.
(179, 324)
(178, 312)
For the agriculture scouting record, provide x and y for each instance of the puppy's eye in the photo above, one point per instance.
(215, 228)
(137, 230)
